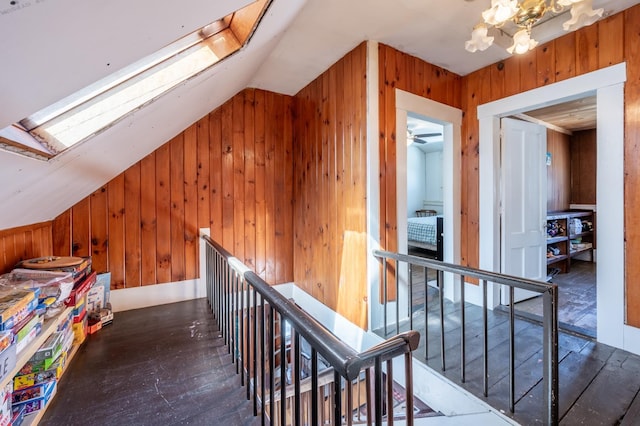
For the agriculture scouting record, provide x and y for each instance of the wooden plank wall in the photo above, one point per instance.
(583, 167)
(559, 172)
(408, 73)
(330, 187)
(608, 42)
(24, 242)
(231, 171)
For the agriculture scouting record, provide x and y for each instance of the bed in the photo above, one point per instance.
(426, 233)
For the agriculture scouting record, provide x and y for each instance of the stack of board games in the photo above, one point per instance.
(33, 399)
(80, 319)
(35, 383)
(14, 305)
(81, 289)
(79, 267)
(18, 315)
(54, 287)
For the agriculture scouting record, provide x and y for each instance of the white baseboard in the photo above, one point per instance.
(160, 294)
(631, 339)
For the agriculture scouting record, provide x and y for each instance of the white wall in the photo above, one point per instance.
(433, 193)
(416, 179)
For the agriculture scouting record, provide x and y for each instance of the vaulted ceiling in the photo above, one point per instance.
(51, 48)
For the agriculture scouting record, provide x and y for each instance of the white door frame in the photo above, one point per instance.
(451, 119)
(608, 84)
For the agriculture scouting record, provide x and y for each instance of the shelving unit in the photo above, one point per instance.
(562, 237)
(49, 327)
(34, 419)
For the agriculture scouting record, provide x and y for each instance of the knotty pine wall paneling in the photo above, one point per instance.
(402, 71)
(559, 172)
(231, 171)
(583, 167)
(24, 242)
(631, 35)
(330, 187)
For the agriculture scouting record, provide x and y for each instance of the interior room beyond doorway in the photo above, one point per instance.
(571, 165)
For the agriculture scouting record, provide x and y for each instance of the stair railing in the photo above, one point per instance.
(266, 335)
(392, 264)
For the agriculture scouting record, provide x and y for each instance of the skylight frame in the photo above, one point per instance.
(119, 77)
(231, 35)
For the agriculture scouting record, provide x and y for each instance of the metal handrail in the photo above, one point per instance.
(242, 292)
(510, 280)
(550, 319)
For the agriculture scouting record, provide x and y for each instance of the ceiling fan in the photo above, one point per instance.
(418, 137)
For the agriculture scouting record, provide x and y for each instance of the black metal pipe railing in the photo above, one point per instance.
(266, 334)
(549, 319)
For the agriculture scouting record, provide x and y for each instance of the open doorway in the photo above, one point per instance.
(569, 199)
(434, 118)
(608, 85)
(425, 197)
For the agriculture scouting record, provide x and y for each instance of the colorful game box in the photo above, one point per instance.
(38, 397)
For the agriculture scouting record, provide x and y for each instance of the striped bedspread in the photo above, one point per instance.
(422, 229)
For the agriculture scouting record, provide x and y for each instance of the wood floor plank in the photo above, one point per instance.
(583, 364)
(608, 397)
(633, 413)
(575, 373)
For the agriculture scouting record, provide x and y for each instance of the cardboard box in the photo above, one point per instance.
(20, 315)
(65, 324)
(80, 330)
(46, 391)
(6, 338)
(25, 381)
(81, 289)
(104, 280)
(26, 328)
(80, 310)
(51, 347)
(94, 327)
(95, 299)
(5, 404)
(18, 415)
(7, 361)
(13, 301)
(29, 337)
(36, 391)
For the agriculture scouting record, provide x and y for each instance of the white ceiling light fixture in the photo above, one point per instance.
(525, 14)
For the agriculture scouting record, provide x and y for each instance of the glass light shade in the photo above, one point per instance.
(582, 15)
(568, 2)
(479, 39)
(522, 42)
(500, 11)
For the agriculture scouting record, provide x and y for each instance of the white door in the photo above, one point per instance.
(524, 203)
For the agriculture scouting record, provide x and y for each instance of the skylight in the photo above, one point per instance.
(98, 106)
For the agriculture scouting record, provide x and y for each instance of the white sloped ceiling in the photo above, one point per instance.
(54, 47)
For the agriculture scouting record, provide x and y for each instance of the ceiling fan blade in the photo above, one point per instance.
(428, 135)
(420, 141)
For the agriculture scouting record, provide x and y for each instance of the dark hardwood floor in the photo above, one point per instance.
(576, 299)
(598, 383)
(164, 365)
